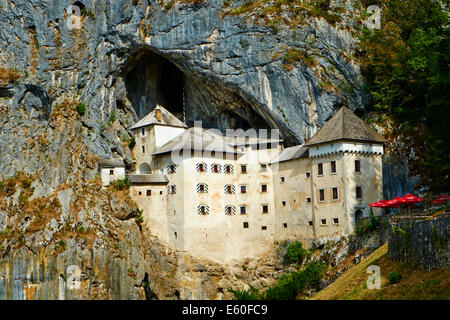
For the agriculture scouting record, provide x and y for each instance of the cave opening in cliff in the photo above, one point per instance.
(152, 79)
(155, 80)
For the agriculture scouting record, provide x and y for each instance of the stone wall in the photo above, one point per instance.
(421, 243)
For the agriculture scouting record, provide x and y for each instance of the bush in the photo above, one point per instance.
(131, 143)
(295, 253)
(81, 109)
(121, 184)
(367, 225)
(394, 277)
(289, 286)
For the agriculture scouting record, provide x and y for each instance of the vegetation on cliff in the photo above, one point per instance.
(406, 66)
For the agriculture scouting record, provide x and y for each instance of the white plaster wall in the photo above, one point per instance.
(341, 146)
(107, 178)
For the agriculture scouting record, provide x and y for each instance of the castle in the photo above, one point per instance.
(228, 199)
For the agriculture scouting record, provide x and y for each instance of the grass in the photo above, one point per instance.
(415, 284)
(8, 76)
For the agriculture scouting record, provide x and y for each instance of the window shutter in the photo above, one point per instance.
(171, 166)
(205, 168)
(199, 209)
(231, 168)
(233, 210)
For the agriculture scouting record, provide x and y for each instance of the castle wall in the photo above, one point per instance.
(107, 177)
(293, 212)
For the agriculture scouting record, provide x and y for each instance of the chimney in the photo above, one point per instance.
(158, 115)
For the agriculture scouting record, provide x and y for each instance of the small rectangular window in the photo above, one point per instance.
(265, 208)
(245, 224)
(263, 167)
(201, 188)
(335, 193)
(227, 169)
(358, 192)
(111, 172)
(264, 228)
(201, 167)
(243, 169)
(215, 168)
(320, 169)
(308, 174)
(175, 234)
(323, 221)
(283, 203)
(284, 225)
(321, 195)
(140, 193)
(357, 166)
(243, 189)
(282, 179)
(333, 166)
(336, 220)
(264, 188)
(143, 149)
(229, 190)
(143, 131)
(149, 192)
(308, 199)
(243, 210)
(310, 223)
(160, 192)
(229, 210)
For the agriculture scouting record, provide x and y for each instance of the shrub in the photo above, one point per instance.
(367, 225)
(394, 277)
(121, 184)
(295, 253)
(250, 294)
(139, 218)
(131, 143)
(81, 109)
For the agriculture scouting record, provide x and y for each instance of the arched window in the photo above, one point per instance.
(358, 215)
(144, 168)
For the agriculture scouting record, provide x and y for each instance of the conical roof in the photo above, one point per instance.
(345, 125)
(167, 119)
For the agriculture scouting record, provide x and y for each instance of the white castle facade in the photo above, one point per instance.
(228, 199)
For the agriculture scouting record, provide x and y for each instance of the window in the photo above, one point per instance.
(149, 192)
(310, 223)
(203, 209)
(111, 172)
(265, 208)
(229, 169)
(357, 166)
(201, 167)
(308, 174)
(333, 167)
(143, 132)
(282, 179)
(321, 195)
(335, 193)
(243, 210)
(160, 192)
(284, 225)
(143, 149)
(358, 192)
(171, 169)
(323, 221)
(264, 228)
(175, 234)
(263, 167)
(215, 168)
(283, 203)
(243, 189)
(336, 220)
(320, 169)
(243, 169)
(171, 189)
(308, 199)
(264, 188)
(245, 224)
(202, 188)
(229, 210)
(140, 193)
(229, 189)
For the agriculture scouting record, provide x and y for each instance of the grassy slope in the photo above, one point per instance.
(415, 284)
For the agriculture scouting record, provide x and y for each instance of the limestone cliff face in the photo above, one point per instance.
(127, 56)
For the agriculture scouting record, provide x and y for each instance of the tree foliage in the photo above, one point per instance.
(406, 65)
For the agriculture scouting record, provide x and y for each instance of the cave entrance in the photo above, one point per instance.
(155, 80)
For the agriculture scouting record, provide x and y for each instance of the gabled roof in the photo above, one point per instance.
(167, 119)
(345, 125)
(111, 163)
(291, 153)
(197, 139)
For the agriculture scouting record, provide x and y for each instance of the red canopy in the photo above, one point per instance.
(409, 198)
(379, 204)
(394, 203)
